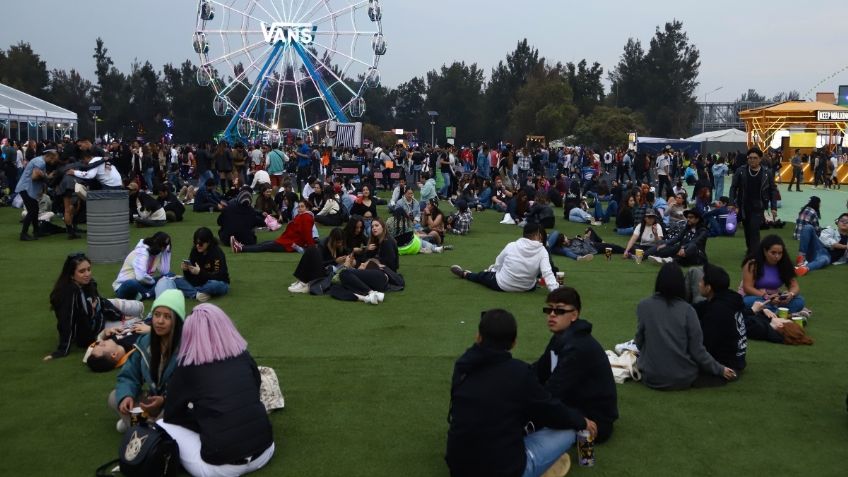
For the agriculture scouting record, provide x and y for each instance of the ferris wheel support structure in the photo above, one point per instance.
(250, 101)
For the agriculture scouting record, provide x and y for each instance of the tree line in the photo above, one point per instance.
(651, 92)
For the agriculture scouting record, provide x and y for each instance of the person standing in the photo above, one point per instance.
(663, 171)
(30, 185)
(797, 171)
(751, 191)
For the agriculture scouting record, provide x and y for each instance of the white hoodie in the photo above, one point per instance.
(520, 263)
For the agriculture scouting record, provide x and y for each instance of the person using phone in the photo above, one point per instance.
(205, 271)
(768, 275)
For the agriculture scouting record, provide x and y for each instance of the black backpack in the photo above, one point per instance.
(146, 451)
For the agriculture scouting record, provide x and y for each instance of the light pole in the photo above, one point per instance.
(704, 116)
(433, 115)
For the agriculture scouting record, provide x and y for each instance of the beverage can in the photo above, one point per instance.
(585, 449)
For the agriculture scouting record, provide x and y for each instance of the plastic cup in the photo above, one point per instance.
(608, 253)
(783, 312)
(640, 254)
(799, 320)
(560, 276)
(136, 416)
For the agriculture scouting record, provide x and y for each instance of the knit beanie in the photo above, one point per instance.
(244, 196)
(172, 299)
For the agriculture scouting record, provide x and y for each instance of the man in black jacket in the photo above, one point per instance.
(722, 318)
(574, 367)
(493, 396)
(751, 191)
(689, 247)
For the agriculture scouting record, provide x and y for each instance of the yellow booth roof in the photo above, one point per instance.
(788, 107)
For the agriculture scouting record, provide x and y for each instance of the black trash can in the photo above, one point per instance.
(108, 225)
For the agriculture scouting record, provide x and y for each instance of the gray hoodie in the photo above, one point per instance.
(671, 344)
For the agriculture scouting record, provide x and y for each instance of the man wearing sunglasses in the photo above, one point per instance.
(751, 191)
(574, 367)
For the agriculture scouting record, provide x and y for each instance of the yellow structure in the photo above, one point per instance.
(807, 118)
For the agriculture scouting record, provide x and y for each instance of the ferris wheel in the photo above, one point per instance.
(293, 64)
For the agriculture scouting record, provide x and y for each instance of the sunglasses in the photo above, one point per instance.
(558, 311)
(76, 255)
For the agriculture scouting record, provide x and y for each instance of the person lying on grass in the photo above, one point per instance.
(518, 266)
(144, 378)
(493, 397)
(80, 311)
(114, 346)
(574, 367)
(581, 247)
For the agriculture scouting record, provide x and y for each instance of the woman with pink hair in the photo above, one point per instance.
(213, 409)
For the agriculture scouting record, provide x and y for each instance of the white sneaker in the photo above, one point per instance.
(380, 296)
(438, 249)
(121, 426)
(202, 297)
(586, 258)
(299, 287)
(595, 223)
(657, 259)
(627, 345)
(372, 298)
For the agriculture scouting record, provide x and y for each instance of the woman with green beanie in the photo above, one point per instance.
(152, 361)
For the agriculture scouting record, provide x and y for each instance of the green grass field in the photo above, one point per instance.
(367, 387)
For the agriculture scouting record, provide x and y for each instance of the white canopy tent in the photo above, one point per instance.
(725, 140)
(23, 117)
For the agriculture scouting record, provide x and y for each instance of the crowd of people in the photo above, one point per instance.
(691, 332)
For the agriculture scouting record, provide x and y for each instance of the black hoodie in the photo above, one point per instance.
(582, 377)
(493, 396)
(723, 323)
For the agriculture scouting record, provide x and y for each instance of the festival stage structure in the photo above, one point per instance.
(805, 125)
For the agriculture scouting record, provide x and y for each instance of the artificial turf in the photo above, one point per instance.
(367, 387)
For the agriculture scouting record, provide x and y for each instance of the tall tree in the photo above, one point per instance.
(751, 96)
(628, 77)
(672, 66)
(456, 93)
(784, 96)
(22, 69)
(544, 106)
(585, 85)
(608, 126)
(190, 105)
(409, 104)
(506, 79)
(147, 106)
(112, 94)
(378, 106)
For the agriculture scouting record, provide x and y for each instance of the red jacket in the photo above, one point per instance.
(298, 232)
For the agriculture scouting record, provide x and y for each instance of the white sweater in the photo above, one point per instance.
(139, 266)
(520, 263)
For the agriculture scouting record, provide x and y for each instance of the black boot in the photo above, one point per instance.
(25, 237)
(72, 233)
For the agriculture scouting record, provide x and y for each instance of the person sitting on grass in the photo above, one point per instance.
(265, 204)
(366, 278)
(144, 378)
(688, 248)
(722, 317)
(829, 248)
(136, 280)
(205, 272)
(518, 266)
(150, 211)
(401, 228)
(459, 222)
(355, 239)
(810, 215)
(647, 234)
(716, 218)
(207, 199)
(80, 311)
(174, 209)
(574, 367)
(296, 236)
(581, 215)
(433, 224)
(317, 261)
(239, 220)
(493, 397)
(624, 223)
(114, 346)
(767, 270)
(670, 341)
(331, 212)
(213, 409)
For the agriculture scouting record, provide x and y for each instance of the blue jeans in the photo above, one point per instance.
(553, 238)
(797, 304)
(211, 287)
(627, 231)
(544, 447)
(446, 187)
(813, 250)
(579, 215)
(612, 210)
(130, 289)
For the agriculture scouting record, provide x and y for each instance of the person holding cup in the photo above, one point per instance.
(648, 233)
(154, 362)
(769, 276)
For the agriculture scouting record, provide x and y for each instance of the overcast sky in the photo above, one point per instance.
(772, 46)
